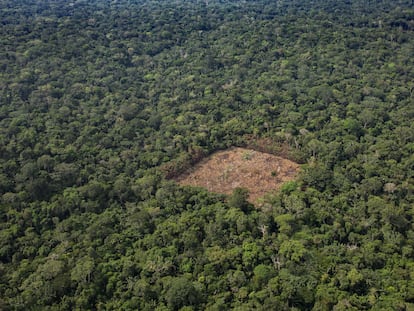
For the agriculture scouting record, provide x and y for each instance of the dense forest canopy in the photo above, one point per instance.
(100, 101)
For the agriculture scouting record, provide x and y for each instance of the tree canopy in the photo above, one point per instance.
(102, 101)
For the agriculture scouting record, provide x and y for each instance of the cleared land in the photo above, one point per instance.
(226, 170)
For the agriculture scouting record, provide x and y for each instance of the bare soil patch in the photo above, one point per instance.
(226, 170)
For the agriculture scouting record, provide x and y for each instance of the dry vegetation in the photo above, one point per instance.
(239, 167)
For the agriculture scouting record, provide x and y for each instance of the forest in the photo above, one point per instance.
(102, 102)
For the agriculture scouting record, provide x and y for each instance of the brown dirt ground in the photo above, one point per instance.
(225, 170)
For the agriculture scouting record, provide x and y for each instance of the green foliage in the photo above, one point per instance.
(238, 199)
(289, 187)
(181, 294)
(100, 101)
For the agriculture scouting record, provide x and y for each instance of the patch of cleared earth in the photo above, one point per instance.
(226, 170)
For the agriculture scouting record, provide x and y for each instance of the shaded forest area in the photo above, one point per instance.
(97, 98)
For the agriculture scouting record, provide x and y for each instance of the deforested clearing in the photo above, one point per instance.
(226, 170)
